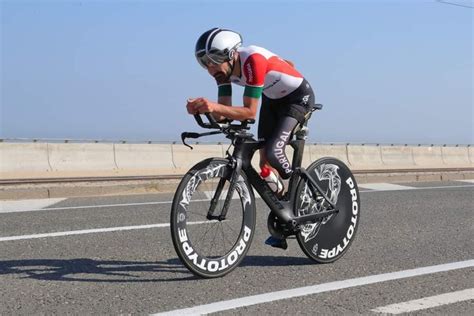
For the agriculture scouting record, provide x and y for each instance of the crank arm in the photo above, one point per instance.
(219, 218)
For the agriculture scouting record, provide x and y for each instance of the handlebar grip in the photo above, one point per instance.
(212, 122)
(198, 119)
(189, 135)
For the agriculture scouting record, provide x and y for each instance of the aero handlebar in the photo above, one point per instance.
(221, 126)
(212, 122)
(224, 127)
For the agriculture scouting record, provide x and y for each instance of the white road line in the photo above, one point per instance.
(420, 188)
(315, 289)
(427, 302)
(27, 205)
(29, 208)
(92, 231)
(203, 200)
(385, 186)
(37, 205)
(101, 206)
(467, 180)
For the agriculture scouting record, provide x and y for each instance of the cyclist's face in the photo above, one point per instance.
(219, 71)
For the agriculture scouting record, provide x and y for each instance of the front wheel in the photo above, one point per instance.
(211, 248)
(329, 238)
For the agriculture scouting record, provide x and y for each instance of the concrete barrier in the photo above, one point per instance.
(144, 158)
(43, 160)
(365, 157)
(397, 156)
(428, 157)
(82, 157)
(18, 159)
(336, 151)
(184, 158)
(455, 157)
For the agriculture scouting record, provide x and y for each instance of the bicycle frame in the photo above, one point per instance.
(245, 148)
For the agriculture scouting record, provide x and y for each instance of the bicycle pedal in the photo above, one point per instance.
(276, 243)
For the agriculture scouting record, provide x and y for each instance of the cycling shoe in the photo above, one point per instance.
(276, 242)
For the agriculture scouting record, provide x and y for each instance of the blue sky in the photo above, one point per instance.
(386, 71)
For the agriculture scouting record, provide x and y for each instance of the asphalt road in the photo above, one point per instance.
(86, 270)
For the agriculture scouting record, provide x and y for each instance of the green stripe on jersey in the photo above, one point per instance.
(253, 92)
(224, 90)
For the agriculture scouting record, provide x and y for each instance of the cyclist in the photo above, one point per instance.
(286, 95)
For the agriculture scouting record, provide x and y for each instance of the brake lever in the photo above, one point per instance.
(185, 135)
(188, 135)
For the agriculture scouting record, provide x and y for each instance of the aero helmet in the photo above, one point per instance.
(216, 46)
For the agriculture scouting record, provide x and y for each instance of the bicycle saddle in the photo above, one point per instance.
(314, 107)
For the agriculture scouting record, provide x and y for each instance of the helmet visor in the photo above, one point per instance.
(209, 59)
(217, 56)
(202, 59)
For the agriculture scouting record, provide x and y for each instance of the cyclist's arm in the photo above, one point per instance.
(252, 93)
(224, 97)
(221, 111)
(225, 101)
(224, 93)
(240, 113)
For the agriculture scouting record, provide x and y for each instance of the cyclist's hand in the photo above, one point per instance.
(192, 105)
(199, 105)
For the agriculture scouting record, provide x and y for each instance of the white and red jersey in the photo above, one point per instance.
(264, 72)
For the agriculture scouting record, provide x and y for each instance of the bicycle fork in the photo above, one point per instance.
(230, 192)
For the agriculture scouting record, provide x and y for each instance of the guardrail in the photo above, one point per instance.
(27, 158)
(137, 141)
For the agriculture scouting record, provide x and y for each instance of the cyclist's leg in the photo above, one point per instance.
(274, 152)
(290, 111)
(266, 125)
(275, 146)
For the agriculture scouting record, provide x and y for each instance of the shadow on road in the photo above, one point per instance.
(91, 270)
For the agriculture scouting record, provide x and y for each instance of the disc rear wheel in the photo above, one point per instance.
(329, 238)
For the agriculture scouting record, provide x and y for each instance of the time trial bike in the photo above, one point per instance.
(213, 213)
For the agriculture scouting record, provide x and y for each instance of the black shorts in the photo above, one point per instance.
(297, 104)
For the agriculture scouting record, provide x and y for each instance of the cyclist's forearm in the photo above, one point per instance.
(239, 113)
(224, 100)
